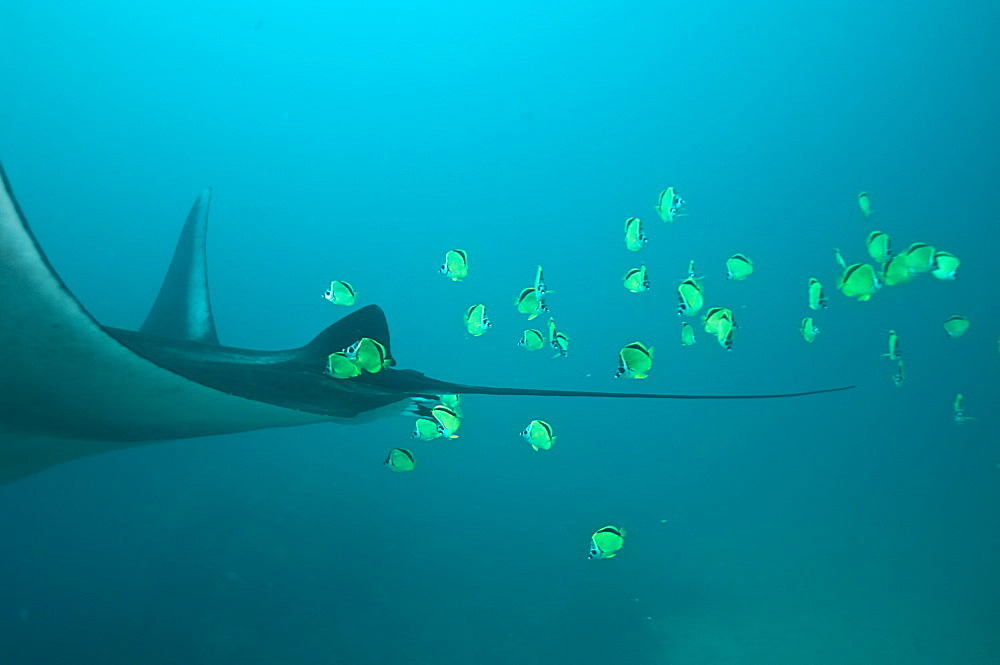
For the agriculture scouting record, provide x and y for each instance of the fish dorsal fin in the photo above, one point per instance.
(182, 309)
(369, 321)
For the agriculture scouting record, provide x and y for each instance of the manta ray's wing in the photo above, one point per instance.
(69, 388)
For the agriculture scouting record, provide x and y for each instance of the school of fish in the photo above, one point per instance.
(858, 281)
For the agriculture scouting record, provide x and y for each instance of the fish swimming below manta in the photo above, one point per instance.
(70, 387)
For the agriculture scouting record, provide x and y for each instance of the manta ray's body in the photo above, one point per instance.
(70, 387)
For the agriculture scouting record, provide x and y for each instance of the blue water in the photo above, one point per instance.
(361, 144)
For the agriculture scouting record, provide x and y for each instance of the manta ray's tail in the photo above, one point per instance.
(419, 385)
(487, 390)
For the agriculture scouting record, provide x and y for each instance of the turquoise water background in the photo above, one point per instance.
(361, 143)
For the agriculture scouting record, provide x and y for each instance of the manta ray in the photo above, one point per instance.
(71, 387)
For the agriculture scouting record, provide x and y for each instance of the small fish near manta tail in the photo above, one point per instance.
(558, 340)
(959, 410)
(859, 281)
(369, 355)
(476, 321)
(456, 265)
(956, 326)
(634, 361)
(808, 329)
(714, 316)
(453, 402)
(339, 366)
(341, 293)
(738, 267)
(441, 420)
(894, 352)
(726, 329)
(606, 542)
(669, 205)
(172, 379)
(687, 334)
(900, 376)
(539, 435)
(691, 297)
(945, 265)
(919, 257)
(839, 258)
(635, 239)
(400, 460)
(448, 421)
(878, 246)
(711, 320)
(636, 280)
(528, 303)
(817, 300)
(719, 321)
(532, 340)
(865, 203)
(427, 429)
(531, 300)
(541, 289)
(895, 271)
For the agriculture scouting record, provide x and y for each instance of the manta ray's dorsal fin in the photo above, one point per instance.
(182, 309)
